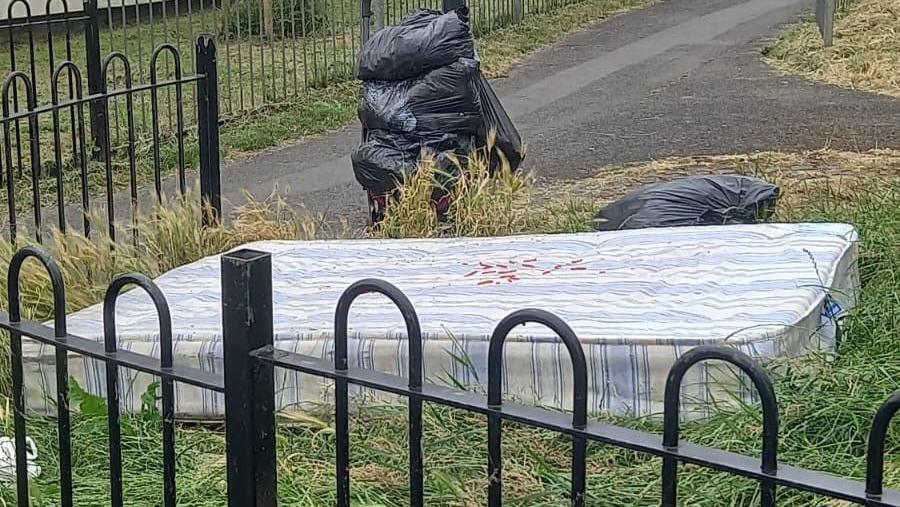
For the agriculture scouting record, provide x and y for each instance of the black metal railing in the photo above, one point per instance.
(113, 359)
(248, 385)
(36, 36)
(271, 52)
(78, 172)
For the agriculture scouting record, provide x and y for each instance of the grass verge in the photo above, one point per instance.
(826, 402)
(865, 54)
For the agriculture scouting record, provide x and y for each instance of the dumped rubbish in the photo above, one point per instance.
(424, 40)
(423, 94)
(507, 142)
(8, 459)
(695, 200)
(443, 100)
(387, 157)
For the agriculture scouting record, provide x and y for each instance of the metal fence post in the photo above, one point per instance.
(379, 15)
(518, 10)
(365, 11)
(249, 384)
(208, 129)
(825, 10)
(95, 75)
(452, 5)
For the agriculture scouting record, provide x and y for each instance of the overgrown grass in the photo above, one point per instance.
(169, 237)
(826, 402)
(865, 54)
(481, 205)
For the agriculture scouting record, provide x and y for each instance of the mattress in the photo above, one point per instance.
(636, 299)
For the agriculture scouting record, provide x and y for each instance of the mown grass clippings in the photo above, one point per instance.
(865, 55)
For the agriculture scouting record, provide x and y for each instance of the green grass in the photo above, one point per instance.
(826, 402)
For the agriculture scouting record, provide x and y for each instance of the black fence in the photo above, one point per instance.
(37, 42)
(249, 390)
(55, 170)
(271, 52)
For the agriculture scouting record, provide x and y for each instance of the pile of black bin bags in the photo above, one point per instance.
(423, 91)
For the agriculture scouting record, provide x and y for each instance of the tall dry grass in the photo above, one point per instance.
(865, 54)
(505, 203)
(482, 203)
(169, 236)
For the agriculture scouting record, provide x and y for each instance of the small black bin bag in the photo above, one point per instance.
(695, 200)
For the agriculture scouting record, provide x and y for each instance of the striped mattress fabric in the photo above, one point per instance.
(636, 299)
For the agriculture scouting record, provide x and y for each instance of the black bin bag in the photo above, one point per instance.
(695, 200)
(423, 41)
(379, 164)
(386, 158)
(443, 100)
(422, 91)
(507, 139)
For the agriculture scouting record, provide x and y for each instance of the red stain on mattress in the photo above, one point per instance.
(513, 270)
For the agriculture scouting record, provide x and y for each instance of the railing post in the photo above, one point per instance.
(365, 12)
(94, 75)
(208, 130)
(249, 384)
(452, 5)
(518, 11)
(825, 10)
(379, 15)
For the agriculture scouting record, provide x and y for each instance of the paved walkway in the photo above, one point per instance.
(683, 77)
